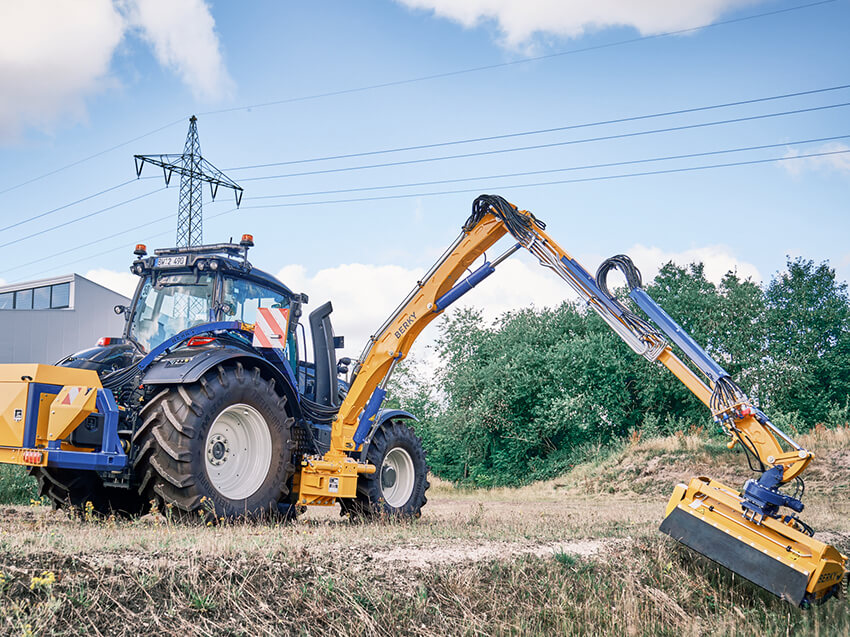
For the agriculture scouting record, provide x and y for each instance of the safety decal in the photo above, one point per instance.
(71, 396)
(271, 327)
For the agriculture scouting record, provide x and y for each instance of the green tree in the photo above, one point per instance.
(808, 318)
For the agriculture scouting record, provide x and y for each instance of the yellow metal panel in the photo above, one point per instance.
(720, 506)
(69, 409)
(44, 402)
(13, 413)
(16, 456)
(49, 374)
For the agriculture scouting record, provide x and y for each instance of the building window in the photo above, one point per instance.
(61, 295)
(47, 297)
(41, 298)
(23, 300)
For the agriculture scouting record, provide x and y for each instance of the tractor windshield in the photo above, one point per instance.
(169, 304)
(241, 299)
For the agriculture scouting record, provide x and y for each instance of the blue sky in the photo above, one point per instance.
(82, 77)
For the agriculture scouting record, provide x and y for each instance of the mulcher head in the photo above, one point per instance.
(776, 553)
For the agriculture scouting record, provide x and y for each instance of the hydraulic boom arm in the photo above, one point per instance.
(747, 532)
(493, 218)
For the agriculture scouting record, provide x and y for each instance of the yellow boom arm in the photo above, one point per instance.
(492, 220)
(746, 532)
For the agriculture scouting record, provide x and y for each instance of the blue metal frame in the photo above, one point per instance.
(678, 335)
(111, 456)
(284, 364)
(34, 392)
(185, 335)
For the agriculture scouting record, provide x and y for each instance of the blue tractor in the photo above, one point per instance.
(216, 401)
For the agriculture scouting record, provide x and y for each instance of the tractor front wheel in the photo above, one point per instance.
(222, 446)
(398, 486)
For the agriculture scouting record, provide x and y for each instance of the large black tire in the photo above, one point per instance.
(74, 488)
(394, 447)
(174, 444)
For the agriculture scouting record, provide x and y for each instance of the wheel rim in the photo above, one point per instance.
(238, 452)
(397, 477)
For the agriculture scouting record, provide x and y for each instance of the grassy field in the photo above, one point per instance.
(577, 555)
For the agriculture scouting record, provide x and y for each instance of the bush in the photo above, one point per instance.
(532, 394)
(16, 487)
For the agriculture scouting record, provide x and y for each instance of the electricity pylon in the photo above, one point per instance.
(194, 170)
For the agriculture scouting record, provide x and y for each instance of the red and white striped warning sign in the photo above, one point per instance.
(271, 326)
(72, 394)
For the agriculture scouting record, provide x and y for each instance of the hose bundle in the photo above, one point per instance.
(624, 264)
(726, 394)
(518, 225)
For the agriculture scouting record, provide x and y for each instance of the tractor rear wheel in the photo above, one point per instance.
(74, 488)
(222, 446)
(398, 486)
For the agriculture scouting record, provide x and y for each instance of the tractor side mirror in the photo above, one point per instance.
(342, 365)
(339, 342)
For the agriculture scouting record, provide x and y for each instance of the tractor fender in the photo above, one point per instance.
(383, 416)
(163, 373)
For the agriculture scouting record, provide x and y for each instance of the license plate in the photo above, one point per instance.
(171, 262)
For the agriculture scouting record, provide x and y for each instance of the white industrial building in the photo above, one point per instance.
(43, 321)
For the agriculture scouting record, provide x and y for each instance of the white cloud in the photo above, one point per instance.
(839, 163)
(364, 295)
(718, 260)
(520, 20)
(54, 54)
(121, 282)
(182, 35)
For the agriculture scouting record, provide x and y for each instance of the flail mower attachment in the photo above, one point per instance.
(746, 533)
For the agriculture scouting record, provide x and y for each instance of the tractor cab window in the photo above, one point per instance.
(240, 300)
(169, 304)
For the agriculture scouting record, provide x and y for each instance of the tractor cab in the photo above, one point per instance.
(181, 288)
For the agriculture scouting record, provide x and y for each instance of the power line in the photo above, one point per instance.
(554, 170)
(90, 157)
(424, 78)
(545, 130)
(98, 241)
(67, 205)
(86, 216)
(122, 247)
(552, 144)
(488, 67)
(448, 192)
(552, 183)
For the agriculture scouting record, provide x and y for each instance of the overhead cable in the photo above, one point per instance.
(75, 220)
(488, 67)
(552, 183)
(552, 144)
(90, 157)
(540, 131)
(552, 170)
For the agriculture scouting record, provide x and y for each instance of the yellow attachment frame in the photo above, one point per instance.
(65, 397)
(706, 515)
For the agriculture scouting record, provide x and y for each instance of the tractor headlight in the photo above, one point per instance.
(202, 265)
(213, 265)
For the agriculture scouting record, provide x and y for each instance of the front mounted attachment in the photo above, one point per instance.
(773, 551)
